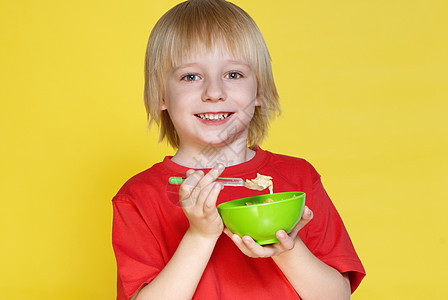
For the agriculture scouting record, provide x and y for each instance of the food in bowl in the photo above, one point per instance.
(261, 220)
(269, 200)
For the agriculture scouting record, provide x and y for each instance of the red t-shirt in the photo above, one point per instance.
(149, 224)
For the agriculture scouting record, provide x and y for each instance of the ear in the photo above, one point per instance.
(258, 100)
(163, 105)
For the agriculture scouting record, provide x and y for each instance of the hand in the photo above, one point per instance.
(286, 241)
(197, 195)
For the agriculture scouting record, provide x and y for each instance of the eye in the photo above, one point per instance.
(233, 75)
(190, 77)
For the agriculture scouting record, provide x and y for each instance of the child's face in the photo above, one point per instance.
(210, 97)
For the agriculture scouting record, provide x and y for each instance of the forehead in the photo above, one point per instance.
(221, 47)
(219, 51)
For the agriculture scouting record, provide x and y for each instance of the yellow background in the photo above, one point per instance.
(364, 89)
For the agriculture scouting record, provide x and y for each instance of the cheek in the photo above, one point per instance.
(253, 91)
(170, 99)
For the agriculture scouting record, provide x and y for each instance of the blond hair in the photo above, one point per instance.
(185, 27)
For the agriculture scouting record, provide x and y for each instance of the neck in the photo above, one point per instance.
(207, 156)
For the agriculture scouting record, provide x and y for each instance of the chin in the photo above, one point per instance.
(216, 142)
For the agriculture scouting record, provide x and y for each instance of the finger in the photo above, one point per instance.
(236, 239)
(206, 196)
(228, 232)
(212, 175)
(286, 241)
(240, 244)
(244, 243)
(192, 179)
(307, 216)
(212, 197)
(189, 188)
(206, 186)
(189, 172)
(254, 249)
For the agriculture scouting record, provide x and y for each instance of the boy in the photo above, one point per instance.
(209, 86)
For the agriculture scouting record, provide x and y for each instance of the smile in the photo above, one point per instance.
(213, 117)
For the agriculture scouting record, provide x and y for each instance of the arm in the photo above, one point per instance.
(310, 277)
(180, 277)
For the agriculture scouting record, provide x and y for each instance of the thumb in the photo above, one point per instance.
(307, 216)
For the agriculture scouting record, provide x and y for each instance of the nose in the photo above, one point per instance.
(214, 90)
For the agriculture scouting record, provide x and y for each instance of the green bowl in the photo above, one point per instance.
(262, 220)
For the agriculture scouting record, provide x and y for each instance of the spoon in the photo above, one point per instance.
(225, 182)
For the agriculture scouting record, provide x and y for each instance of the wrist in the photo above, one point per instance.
(202, 238)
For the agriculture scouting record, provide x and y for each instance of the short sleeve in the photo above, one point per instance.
(136, 264)
(327, 237)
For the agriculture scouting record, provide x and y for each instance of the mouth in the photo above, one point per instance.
(214, 116)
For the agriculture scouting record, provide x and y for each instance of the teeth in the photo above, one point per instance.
(212, 117)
